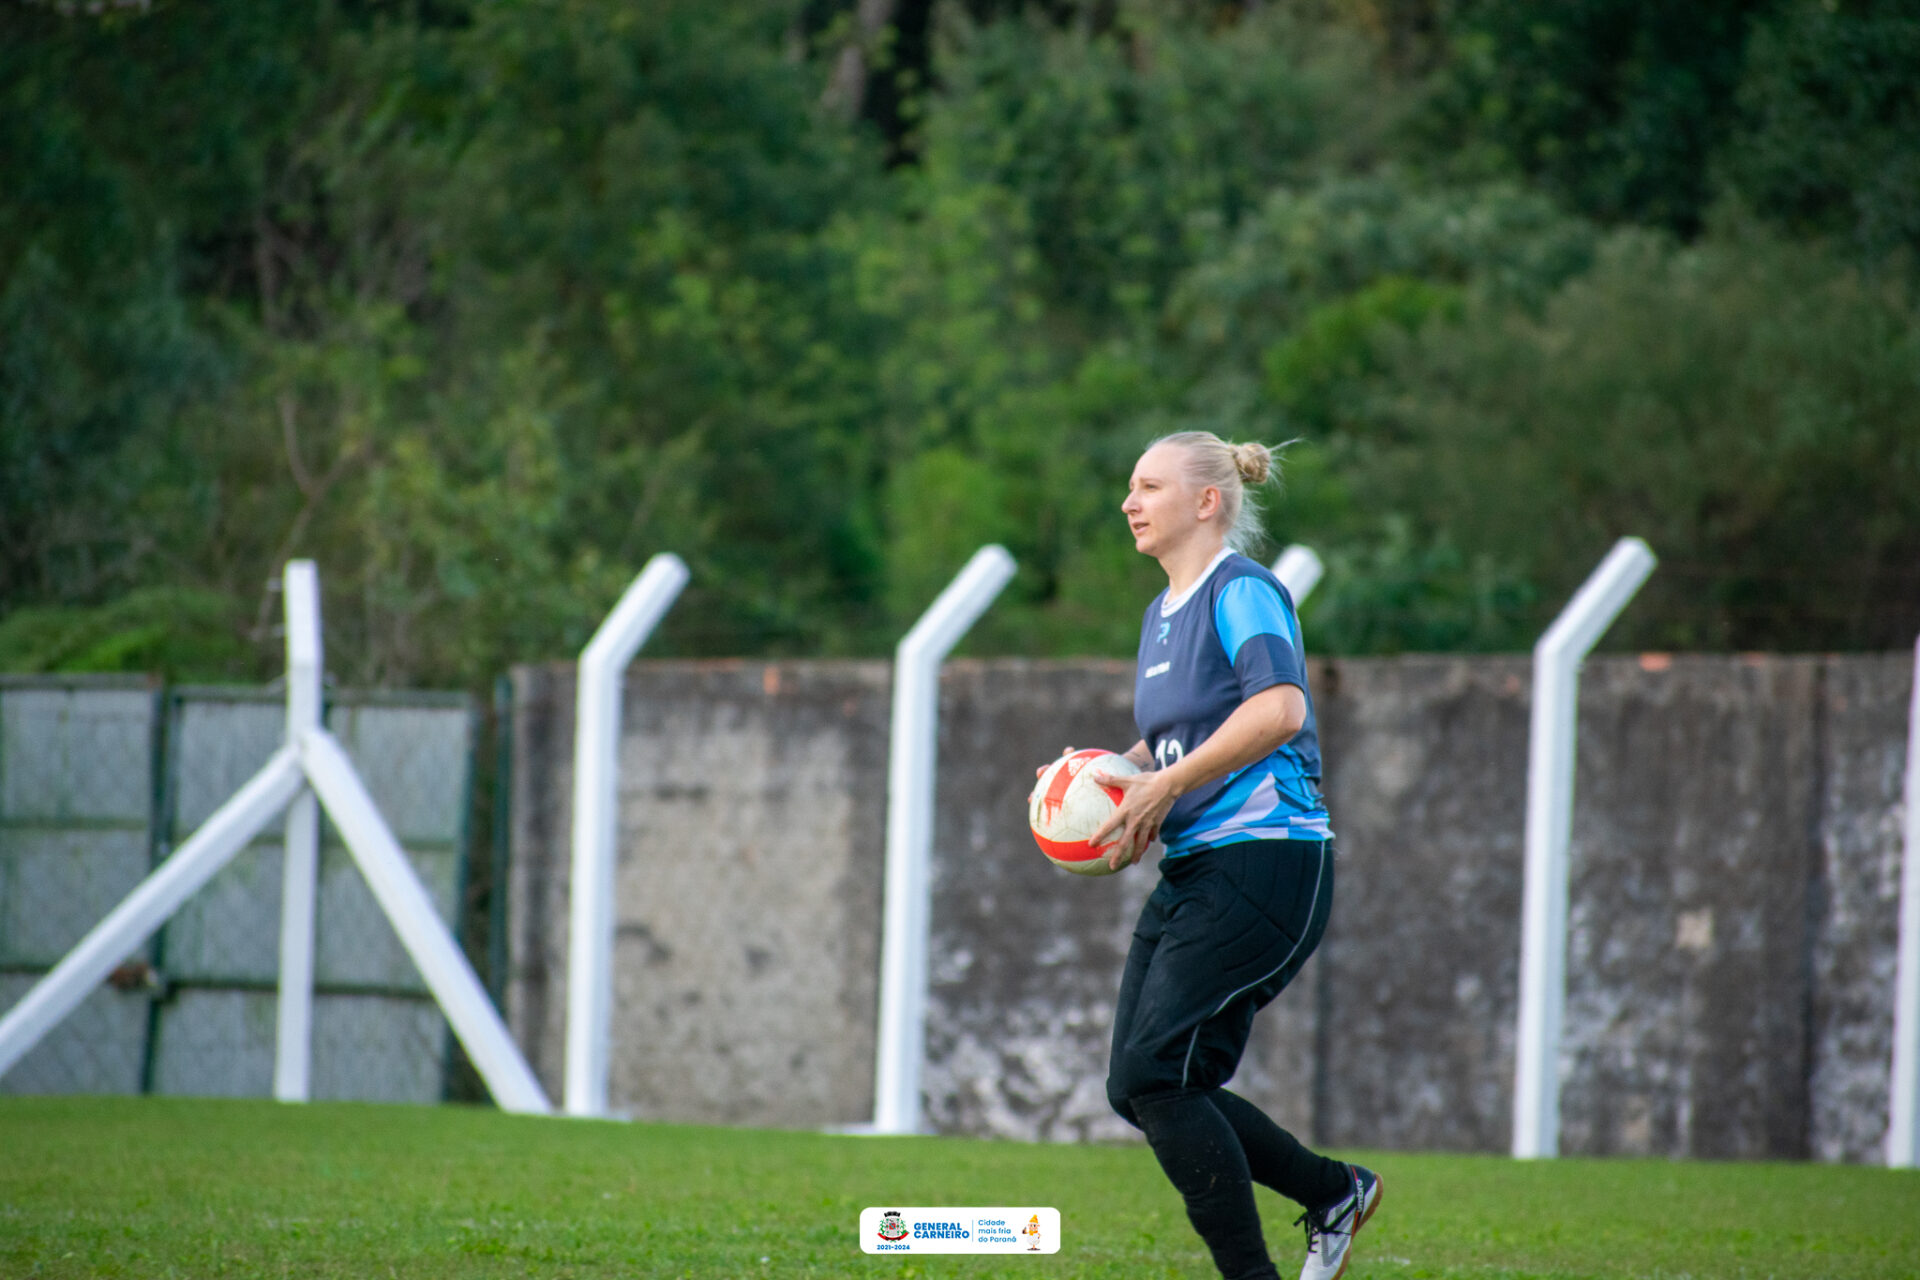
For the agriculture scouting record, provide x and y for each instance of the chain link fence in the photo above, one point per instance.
(101, 777)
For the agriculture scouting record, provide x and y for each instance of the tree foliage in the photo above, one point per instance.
(481, 305)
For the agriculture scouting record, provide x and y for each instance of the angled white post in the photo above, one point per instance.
(424, 935)
(300, 874)
(913, 752)
(1299, 570)
(1903, 1101)
(596, 775)
(1550, 758)
(157, 897)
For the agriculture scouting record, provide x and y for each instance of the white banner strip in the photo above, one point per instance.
(1029, 1229)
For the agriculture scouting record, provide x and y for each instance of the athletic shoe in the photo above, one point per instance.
(1330, 1231)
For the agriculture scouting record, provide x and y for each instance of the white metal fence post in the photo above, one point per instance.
(300, 874)
(1903, 1101)
(913, 754)
(596, 775)
(1299, 570)
(1550, 759)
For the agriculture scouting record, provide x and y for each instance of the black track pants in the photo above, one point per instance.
(1222, 934)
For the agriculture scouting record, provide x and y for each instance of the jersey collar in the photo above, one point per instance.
(1171, 605)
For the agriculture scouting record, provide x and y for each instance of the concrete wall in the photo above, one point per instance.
(752, 803)
(1735, 881)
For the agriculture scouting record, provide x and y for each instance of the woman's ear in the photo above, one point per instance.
(1209, 503)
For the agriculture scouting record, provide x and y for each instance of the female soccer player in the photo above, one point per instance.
(1221, 701)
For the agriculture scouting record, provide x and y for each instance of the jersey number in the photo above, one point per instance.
(1169, 752)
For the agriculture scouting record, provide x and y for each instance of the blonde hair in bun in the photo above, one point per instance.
(1254, 462)
(1231, 468)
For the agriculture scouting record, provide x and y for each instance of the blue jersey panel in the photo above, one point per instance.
(1247, 609)
(1234, 635)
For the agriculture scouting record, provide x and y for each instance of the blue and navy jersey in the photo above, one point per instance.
(1233, 634)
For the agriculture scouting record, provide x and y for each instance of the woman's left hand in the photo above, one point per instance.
(1144, 801)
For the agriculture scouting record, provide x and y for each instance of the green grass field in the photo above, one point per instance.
(154, 1187)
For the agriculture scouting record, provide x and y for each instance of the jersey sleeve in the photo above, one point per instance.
(1260, 635)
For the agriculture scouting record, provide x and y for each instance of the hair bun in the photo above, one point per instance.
(1254, 462)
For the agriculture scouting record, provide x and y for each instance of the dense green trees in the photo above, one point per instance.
(482, 304)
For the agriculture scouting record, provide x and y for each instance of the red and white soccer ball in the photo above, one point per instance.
(1067, 806)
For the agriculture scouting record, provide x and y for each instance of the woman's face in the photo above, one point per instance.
(1163, 508)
